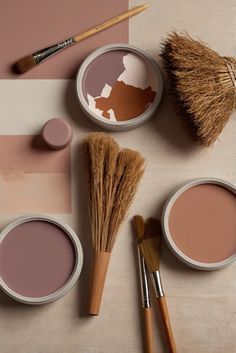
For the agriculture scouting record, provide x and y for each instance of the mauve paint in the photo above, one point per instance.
(36, 258)
(202, 223)
(104, 70)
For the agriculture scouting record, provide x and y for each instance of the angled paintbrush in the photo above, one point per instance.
(150, 249)
(139, 227)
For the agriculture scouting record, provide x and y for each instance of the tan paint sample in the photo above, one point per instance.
(202, 223)
(33, 180)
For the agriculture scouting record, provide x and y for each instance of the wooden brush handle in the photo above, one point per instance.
(166, 324)
(148, 330)
(110, 23)
(98, 276)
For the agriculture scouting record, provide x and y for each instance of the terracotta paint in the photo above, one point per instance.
(138, 101)
(119, 85)
(36, 259)
(36, 25)
(33, 179)
(202, 223)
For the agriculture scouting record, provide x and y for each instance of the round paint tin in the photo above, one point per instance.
(40, 259)
(119, 87)
(199, 223)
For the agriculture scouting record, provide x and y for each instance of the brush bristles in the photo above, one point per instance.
(139, 227)
(113, 180)
(150, 246)
(150, 252)
(128, 174)
(204, 91)
(24, 64)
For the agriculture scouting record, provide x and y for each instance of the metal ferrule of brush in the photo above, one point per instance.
(46, 53)
(156, 279)
(144, 282)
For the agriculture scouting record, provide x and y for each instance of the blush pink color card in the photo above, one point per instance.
(27, 26)
(33, 179)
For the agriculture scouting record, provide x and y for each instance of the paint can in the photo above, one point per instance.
(40, 259)
(199, 223)
(119, 87)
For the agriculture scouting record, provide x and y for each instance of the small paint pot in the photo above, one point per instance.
(119, 87)
(56, 134)
(40, 259)
(199, 223)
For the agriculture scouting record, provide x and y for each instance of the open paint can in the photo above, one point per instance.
(199, 223)
(40, 259)
(119, 86)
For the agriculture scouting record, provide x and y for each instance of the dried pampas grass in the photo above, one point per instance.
(203, 83)
(114, 176)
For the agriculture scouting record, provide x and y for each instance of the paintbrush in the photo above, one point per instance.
(150, 249)
(139, 227)
(114, 176)
(38, 57)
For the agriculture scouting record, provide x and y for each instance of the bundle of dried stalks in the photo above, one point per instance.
(114, 176)
(204, 85)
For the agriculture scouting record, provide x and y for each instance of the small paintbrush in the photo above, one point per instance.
(38, 57)
(150, 249)
(139, 227)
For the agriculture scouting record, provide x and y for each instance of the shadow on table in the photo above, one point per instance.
(75, 113)
(83, 224)
(170, 126)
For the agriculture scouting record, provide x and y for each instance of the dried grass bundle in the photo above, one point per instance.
(204, 85)
(114, 176)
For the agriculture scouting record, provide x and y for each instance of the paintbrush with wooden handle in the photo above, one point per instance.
(139, 227)
(150, 249)
(30, 61)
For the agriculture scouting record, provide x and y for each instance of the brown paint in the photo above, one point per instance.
(126, 101)
(202, 223)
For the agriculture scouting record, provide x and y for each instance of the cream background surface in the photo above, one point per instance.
(202, 305)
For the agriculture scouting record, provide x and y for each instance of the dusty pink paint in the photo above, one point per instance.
(34, 25)
(36, 259)
(25, 153)
(202, 223)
